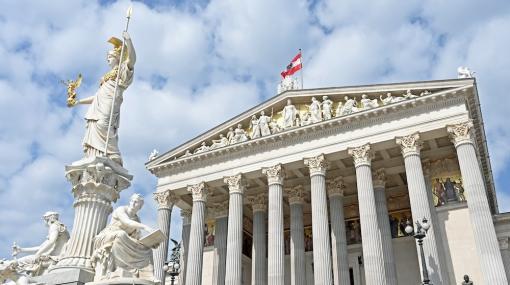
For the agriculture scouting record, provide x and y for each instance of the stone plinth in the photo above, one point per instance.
(96, 183)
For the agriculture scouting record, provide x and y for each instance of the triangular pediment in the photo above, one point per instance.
(338, 102)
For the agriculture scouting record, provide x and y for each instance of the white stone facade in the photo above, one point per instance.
(422, 155)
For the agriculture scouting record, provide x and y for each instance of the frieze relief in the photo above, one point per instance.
(292, 115)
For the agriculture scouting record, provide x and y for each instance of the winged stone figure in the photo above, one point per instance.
(72, 85)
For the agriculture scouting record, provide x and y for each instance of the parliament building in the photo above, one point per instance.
(317, 186)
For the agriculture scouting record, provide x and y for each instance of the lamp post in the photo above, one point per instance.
(419, 235)
(173, 266)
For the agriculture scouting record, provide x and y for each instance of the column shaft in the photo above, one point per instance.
(370, 232)
(258, 255)
(486, 241)
(320, 231)
(339, 241)
(196, 241)
(220, 250)
(186, 226)
(421, 208)
(160, 254)
(276, 252)
(384, 226)
(234, 275)
(297, 245)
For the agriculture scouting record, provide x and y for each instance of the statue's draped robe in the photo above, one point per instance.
(98, 116)
(120, 241)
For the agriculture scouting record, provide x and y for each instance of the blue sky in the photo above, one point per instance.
(202, 62)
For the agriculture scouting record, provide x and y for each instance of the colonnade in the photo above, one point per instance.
(330, 247)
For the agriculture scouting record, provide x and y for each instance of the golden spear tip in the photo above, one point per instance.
(129, 11)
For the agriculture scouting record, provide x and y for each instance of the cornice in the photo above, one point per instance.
(325, 128)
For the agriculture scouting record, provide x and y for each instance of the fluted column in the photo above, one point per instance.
(434, 220)
(259, 247)
(370, 232)
(236, 189)
(420, 204)
(276, 251)
(196, 243)
(320, 226)
(186, 226)
(297, 235)
(220, 212)
(486, 242)
(339, 252)
(505, 254)
(379, 180)
(166, 200)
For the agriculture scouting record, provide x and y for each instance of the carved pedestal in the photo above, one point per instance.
(96, 183)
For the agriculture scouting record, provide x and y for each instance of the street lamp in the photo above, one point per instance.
(173, 266)
(419, 235)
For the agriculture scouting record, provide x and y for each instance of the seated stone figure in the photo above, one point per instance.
(45, 254)
(117, 249)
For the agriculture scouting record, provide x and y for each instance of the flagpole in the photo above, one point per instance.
(301, 68)
(128, 16)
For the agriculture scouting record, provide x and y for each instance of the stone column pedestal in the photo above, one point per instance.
(96, 183)
(166, 201)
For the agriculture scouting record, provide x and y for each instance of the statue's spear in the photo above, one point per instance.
(128, 16)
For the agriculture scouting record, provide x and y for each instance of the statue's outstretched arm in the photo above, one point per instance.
(131, 54)
(124, 218)
(87, 100)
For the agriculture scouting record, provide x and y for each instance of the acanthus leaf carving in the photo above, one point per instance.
(275, 174)
(336, 187)
(186, 216)
(258, 202)
(410, 144)
(379, 178)
(362, 155)
(235, 184)
(460, 133)
(317, 165)
(199, 192)
(219, 210)
(295, 194)
(165, 199)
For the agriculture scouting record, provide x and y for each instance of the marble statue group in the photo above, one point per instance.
(292, 116)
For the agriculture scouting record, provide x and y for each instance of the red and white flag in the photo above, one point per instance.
(294, 66)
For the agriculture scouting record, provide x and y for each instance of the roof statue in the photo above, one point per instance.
(464, 72)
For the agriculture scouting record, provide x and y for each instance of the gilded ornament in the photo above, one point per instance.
(72, 85)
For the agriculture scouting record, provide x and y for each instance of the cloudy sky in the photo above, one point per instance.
(202, 62)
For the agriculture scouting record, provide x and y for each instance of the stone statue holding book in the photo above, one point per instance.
(120, 250)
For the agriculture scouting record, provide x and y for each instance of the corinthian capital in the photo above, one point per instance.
(235, 184)
(275, 174)
(362, 155)
(336, 187)
(258, 202)
(317, 165)
(186, 216)
(165, 199)
(410, 144)
(296, 194)
(199, 192)
(218, 210)
(379, 178)
(460, 133)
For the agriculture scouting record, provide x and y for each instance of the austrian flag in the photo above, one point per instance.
(294, 66)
